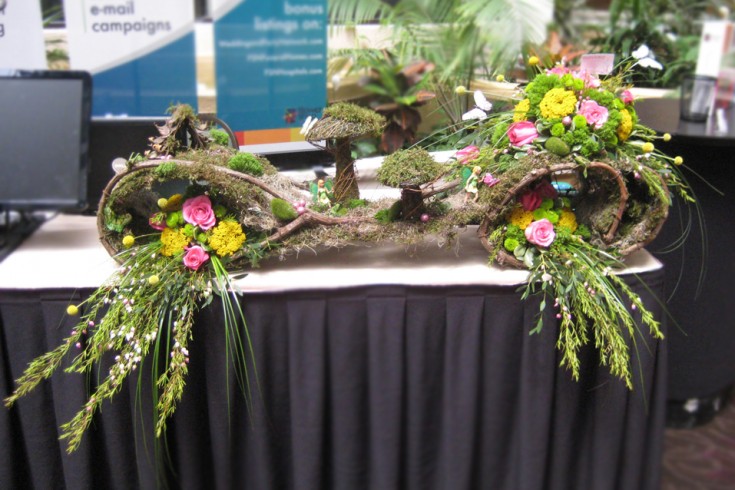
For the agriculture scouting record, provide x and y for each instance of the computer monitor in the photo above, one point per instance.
(44, 139)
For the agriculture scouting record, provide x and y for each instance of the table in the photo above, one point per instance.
(378, 369)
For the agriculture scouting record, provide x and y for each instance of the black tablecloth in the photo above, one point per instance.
(378, 387)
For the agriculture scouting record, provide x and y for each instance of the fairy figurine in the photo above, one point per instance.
(470, 187)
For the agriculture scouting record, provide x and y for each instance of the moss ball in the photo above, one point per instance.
(246, 163)
(557, 146)
(283, 210)
(413, 166)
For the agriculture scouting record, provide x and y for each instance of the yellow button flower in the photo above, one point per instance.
(72, 310)
(128, 241)
(558, 102)
(533, 60)
(626, 125)
(520, 217)
(520, 110)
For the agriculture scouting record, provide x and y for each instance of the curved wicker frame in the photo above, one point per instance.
(309, 218)
(491, 217)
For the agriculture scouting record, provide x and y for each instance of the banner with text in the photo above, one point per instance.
(21, 35)
(140, 53)
(270, 60)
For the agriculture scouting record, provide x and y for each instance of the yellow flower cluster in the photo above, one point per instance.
(626, 125)
(557, 103)
(567, 220)
(520, 217)
(520, 110)
(227, 238)
(173, 241)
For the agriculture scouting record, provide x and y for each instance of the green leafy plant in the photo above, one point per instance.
(462, 39)
(398, 91)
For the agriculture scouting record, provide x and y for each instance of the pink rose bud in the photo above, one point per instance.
(157, 221)
(425, 218)
(522, 133)
(626, 97)
(541, 233)
(467, 154)
(566, 121)
(300, 209)
(195, 256)
(198, 211)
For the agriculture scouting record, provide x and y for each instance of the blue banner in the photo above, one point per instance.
(149, 85)
(270, 60)
(141, 54)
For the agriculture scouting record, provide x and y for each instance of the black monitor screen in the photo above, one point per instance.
(44, 135)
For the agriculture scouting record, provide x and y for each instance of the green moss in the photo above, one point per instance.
(246, 163)
(219, 136)
(166, 169)
(283, 210)
(355, 114)
(345, 120)
(355, 203)
(412, 166)
(557, 146)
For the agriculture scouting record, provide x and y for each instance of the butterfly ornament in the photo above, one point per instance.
(482, 107)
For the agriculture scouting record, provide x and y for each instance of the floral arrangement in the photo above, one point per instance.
(148, 307)
(577, 184)
(565, 184)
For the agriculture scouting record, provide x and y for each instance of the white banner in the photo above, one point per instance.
(21, 35)
(104, 34)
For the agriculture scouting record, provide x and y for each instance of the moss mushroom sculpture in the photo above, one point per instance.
(409, 170)
(341, 124)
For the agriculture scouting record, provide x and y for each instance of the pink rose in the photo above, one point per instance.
(594, 113)
(195, 256)
(522, 133)
(540, 233)
(467, 154)
(198, 211)
(530, 200)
